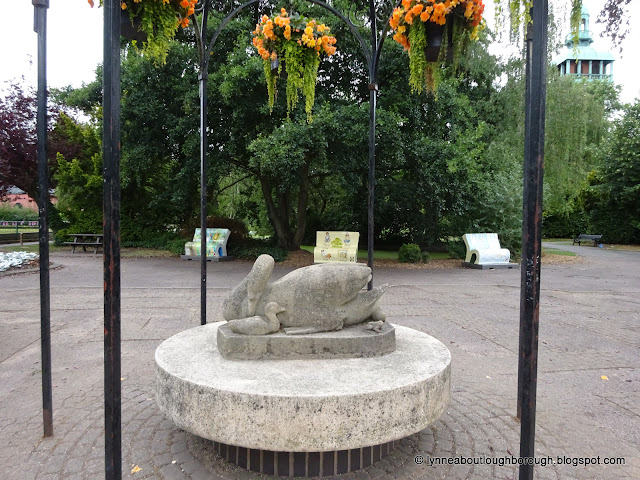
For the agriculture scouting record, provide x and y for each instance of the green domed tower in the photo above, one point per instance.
(582, 60)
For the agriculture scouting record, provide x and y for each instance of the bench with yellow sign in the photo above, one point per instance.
(336, 247)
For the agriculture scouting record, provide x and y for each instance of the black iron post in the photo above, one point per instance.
(203, 194)
(535, 95)
(111, 230)
(373, 94)
(202, 78)
(40, 27)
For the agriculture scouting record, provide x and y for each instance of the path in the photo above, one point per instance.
(589, 328)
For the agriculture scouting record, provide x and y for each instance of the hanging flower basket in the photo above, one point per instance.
(299, 43)
(420, 27)
(130, 28)
(154, 23)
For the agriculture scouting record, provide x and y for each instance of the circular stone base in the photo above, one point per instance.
(350, 342)
(302, 405)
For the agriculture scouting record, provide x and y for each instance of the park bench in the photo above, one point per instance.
(84, 240)
(596, 239)
(216, 245)
(336, 247)
(484, 251)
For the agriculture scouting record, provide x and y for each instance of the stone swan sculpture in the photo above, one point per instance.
(318, 298)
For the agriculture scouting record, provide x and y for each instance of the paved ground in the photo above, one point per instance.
(589, 328)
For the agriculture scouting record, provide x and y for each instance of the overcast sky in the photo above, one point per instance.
(74, 44)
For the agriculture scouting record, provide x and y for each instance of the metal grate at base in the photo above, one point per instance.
(303, 464)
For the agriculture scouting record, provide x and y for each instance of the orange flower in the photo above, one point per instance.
(90, 3)
(123, 6)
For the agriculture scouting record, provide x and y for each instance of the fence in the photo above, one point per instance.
(18, 231)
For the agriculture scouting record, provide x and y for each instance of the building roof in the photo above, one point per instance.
(583, 50)
(583, 53)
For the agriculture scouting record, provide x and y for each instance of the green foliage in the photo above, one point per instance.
(573, 139)
(456, 248)
(79, 181)
(426, 257)
(565, 226)
(7, 212)
(336, 243)
(613, 197)
(445, 166)
(237, 228)
(133, 238)
(409, 253)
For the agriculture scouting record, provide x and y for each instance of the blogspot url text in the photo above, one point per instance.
(509, 460)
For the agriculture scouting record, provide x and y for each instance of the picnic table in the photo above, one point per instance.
(84, 240)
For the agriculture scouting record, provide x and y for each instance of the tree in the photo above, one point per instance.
(18, 143)
(614, 197)
(79, 178)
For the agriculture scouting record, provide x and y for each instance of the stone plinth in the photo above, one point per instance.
(302, 405)
(350, 342)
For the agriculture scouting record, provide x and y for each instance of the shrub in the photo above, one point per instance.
(9, 213)
(253, 248)
(237, 228)
(409, 253)
(564, 226)
(456, 248)
(426, 258)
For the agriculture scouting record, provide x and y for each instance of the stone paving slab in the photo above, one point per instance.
(589, 328)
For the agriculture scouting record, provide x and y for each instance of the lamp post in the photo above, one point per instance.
(40, 27)
(111, 230)
(535, 94)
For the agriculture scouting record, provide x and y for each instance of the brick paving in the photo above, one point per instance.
(589, 328)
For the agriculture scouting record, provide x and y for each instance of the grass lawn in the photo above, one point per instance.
(553, 251)
(564, 241)
(19, 230)
(27, 248)
(124, 252)
(383, 254)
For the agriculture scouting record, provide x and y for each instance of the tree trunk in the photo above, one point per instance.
(303, 201)
(280, 227)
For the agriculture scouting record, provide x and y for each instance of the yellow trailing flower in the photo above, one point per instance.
(410, 20)
(299, 42)
(159, 20)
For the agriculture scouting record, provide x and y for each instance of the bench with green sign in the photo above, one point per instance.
(216, 245)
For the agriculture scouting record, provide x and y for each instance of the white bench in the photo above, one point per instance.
(336, 247)
(216, 244)
(483, 250)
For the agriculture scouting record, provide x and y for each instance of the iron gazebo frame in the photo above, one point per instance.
(536, 48)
